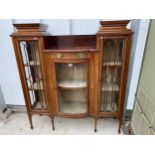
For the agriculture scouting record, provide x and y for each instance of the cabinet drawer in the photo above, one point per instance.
(64, 56)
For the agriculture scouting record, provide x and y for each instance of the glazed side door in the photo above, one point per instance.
(113, 56)
(29, 61)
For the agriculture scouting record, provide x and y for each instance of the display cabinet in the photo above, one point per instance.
(73, 76)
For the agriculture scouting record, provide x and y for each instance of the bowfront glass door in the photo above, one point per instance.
(112, 62)
(72, 87)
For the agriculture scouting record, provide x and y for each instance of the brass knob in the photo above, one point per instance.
(81, 55)
(59, 55)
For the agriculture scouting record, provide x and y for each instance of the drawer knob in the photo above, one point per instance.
(81, 55)
(59, 55)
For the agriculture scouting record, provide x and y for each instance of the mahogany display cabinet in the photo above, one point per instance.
(74, 76)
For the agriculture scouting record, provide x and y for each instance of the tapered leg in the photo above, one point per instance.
(95, 125)
(30, 120)
(129, 132)
(119, 128)
(52, 119)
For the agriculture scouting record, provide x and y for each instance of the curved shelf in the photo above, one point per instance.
(72, 84)
(73, 107)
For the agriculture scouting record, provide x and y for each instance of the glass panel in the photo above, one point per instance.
(112, 60)
(72, 87)
(33, 72)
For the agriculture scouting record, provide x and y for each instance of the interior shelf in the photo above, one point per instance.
(39, 105)
(72, 84)
(111, 64)
(109, 107)
(73, 107)
(37, 86)
(110, 87)
(33, 63)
